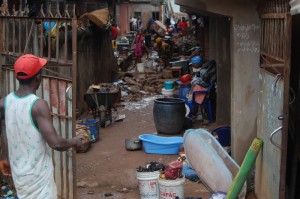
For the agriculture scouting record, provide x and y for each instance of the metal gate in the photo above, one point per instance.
(57, 42)
(274, 98)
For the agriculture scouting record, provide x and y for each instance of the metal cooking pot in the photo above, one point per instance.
(133, 144)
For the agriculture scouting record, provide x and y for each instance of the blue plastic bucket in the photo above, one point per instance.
(169, 85)
(94, 127)
(223, 135)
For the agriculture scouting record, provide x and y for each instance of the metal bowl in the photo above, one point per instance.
(133, 144)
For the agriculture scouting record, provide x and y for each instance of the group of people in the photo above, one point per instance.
(178, 26)
(146, 37)
(153, 40)
(135, 23)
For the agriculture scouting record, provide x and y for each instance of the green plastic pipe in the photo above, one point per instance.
(245, 169)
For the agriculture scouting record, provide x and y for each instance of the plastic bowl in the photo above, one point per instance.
(161, 145)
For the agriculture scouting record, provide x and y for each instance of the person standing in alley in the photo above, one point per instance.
(182, 24)
(114, 35)
(138, 46)
(148, 32)
(130, 23)
(114, 31)
(134, 23)
(30, 134)
(139, 23)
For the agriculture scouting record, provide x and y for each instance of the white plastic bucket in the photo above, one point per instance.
(148, 184)
(149, 63)
(140, 67)
(167, 93)
(169, 189)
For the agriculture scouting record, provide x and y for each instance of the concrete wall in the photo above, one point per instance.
(128, 9)
(244, 42)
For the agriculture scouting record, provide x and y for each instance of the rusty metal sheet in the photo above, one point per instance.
(270, 108)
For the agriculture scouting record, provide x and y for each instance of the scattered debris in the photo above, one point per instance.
(124, 190)
(7, 193)
(173, 170)
(218, 195)
(90, 192)
(85, 183)
(119, 117)
(84, 134)
(143, 103)
(151, 166)
(108, 194)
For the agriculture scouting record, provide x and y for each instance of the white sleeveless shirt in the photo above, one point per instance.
(30, 156)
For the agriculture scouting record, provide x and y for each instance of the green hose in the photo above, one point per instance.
(243, 173)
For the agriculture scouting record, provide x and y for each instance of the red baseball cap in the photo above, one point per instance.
(29, 65)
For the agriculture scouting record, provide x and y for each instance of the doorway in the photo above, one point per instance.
(213, 34)
(293, 153)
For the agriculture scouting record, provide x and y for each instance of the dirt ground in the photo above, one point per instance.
(108, 170)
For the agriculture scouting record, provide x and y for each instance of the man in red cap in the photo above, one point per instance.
(30, 134)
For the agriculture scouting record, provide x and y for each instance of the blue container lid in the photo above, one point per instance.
(90, 121)
(169, 85)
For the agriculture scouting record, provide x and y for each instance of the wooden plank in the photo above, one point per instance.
(20, 36)
(7, 34)
(72, 155)
(29, 37)
(57, 40)
(273, 57)
(65, 57)
(42, 40)
(14, 35)
(274, 70)
(12, 81)
(68, 159)
(62, 111)
(284, 141)
(274, 16)
(56, 154)
(49, 41)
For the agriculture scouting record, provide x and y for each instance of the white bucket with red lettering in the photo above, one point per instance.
(167, 93)
(148, 184)
(169, 189)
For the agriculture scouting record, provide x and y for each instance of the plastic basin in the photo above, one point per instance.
(161, 145)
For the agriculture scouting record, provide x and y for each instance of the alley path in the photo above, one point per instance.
(107, 170)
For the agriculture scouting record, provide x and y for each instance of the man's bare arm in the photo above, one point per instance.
(42, 118)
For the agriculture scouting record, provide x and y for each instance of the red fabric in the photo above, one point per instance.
(138, 46)
(186, 79)
(114, 31)
(29, 65)
(173, 170)
(199, 97)
(182, 25)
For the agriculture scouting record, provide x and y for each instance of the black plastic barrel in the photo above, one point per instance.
(169, 115)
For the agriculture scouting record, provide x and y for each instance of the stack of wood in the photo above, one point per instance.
(140, 84)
